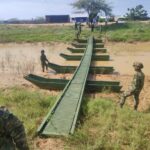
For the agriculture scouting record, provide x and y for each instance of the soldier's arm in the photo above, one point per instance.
(17, 132)
(41, 57)
(142, 81)
(135, 82)
(46, 59)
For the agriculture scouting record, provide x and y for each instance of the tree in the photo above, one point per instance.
(13, 20)
(39, 20)
(137, 13)
(93, 7)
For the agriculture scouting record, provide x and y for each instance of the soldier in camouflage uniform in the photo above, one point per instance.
(76, 25)
(92, 27)
(77, 34)
(44, 61)
(12, 133)
(136, 86)
(79, 27)
(78, 31)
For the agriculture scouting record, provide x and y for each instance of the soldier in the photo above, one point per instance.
(76, 25)
(78, 31)
(12, 133)
(77, 34)
(79, 27)
(136, 86)
(44, 61)
(92, 27)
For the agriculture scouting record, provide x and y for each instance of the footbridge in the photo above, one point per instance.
(62, 118)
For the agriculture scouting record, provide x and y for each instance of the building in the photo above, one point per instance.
(57, 18)
(79, 18)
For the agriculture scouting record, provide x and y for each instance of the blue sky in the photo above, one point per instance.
(27, 9)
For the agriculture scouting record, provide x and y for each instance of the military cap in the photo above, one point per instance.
(138, 64)
(42, 51)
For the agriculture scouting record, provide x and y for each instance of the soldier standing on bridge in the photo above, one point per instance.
(76, 25)
(92, 27)
(78, 31)
(12, 133)
(136, 86)
(79, 27)
(77, 34)
(44, 61)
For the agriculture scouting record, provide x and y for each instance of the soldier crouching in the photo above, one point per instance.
(136, 86)
(12, 132)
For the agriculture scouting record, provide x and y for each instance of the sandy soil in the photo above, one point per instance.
(16, 60)
(49, 144)
(124, 54)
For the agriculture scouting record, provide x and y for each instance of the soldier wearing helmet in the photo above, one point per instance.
(76, 25)
(80, 27)
(77, 34)
(136, 86)
(78, 30)
(44, 61)
(12, 133)
(92, 27)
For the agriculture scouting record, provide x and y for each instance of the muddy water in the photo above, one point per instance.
(31, 52)
(14, 58)
(120, 57)
(121, 47)
(18, 59)
(123, 63)
(124, 54)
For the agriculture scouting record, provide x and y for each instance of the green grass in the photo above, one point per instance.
(129, 32)
(29, 106)
(104, 126)
(16, 33)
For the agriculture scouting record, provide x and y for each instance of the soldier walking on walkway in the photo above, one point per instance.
(92, 27)
(77, 34)
(136, 86)
(79, 27)
(44, 61)
(78, 31)
(12, 133)
(76, 25)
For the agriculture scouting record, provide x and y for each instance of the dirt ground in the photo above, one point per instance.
(49, 144)
(17, 60)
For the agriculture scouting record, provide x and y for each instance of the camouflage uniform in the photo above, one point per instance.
(12, 133)
(79, 28)
(44, 61)
(92, 27)
(78, 31)
(77, 34)
(76, 26)
(136, 86)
